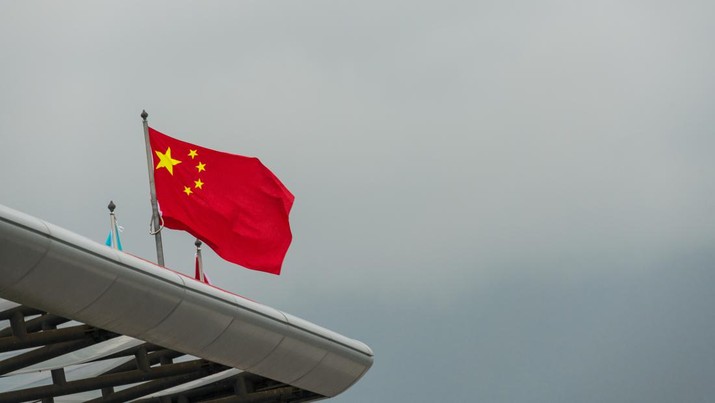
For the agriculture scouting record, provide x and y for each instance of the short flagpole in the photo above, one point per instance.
(156, 224)
(199, 262)
(112, 225)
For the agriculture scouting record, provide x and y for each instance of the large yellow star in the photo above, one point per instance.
(165, 160)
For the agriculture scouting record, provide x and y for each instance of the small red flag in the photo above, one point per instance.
(199, 272)
(232, 203)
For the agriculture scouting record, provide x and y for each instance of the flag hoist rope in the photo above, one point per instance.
(156, 220)
(151, 226)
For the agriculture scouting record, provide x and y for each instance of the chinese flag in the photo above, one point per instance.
(232, 203)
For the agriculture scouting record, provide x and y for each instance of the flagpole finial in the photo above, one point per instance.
(111, 206)
(144, 115)
(198, 243)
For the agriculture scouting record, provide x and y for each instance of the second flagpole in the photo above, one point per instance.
(156, 224)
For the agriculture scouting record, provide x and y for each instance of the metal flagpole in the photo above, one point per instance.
(112, 225)
(199, 262)
(156, 224)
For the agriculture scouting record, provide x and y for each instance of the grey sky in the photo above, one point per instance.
(508, 201)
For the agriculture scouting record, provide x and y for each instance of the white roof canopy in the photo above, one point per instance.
(53, 273)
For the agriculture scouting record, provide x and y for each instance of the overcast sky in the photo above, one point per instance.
(508, 201)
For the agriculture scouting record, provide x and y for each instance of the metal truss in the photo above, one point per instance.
(40, 341)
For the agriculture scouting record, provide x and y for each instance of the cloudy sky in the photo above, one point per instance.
(509, 201)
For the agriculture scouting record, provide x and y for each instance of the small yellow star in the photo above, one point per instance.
(165, 160)
(201, 166)
(193, 154)
(187, 190)
(199, 184)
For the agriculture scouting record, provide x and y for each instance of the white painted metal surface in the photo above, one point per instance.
(49, 268)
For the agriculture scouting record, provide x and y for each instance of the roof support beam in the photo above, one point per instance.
(58, 376)
(110, 380)
(45, 353)
(44, 322)
(285, 393)
(37, 339)
(133, 350)
(162, 357)
(158, 385)
(254, 389)
(24, 310)
(17, 325)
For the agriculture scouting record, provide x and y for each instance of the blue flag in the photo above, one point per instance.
(118, 240)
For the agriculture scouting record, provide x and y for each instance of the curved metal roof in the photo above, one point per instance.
(56, 271)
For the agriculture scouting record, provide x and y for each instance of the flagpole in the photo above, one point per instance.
(112, 225)
(199, 262)
(156, 225)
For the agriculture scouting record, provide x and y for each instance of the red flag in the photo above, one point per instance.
(232, 203)
(199, 271)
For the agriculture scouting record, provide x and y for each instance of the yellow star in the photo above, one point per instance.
(201, 166)
(187, 190)
(199, 184)
(165, 160)
(193, 154)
